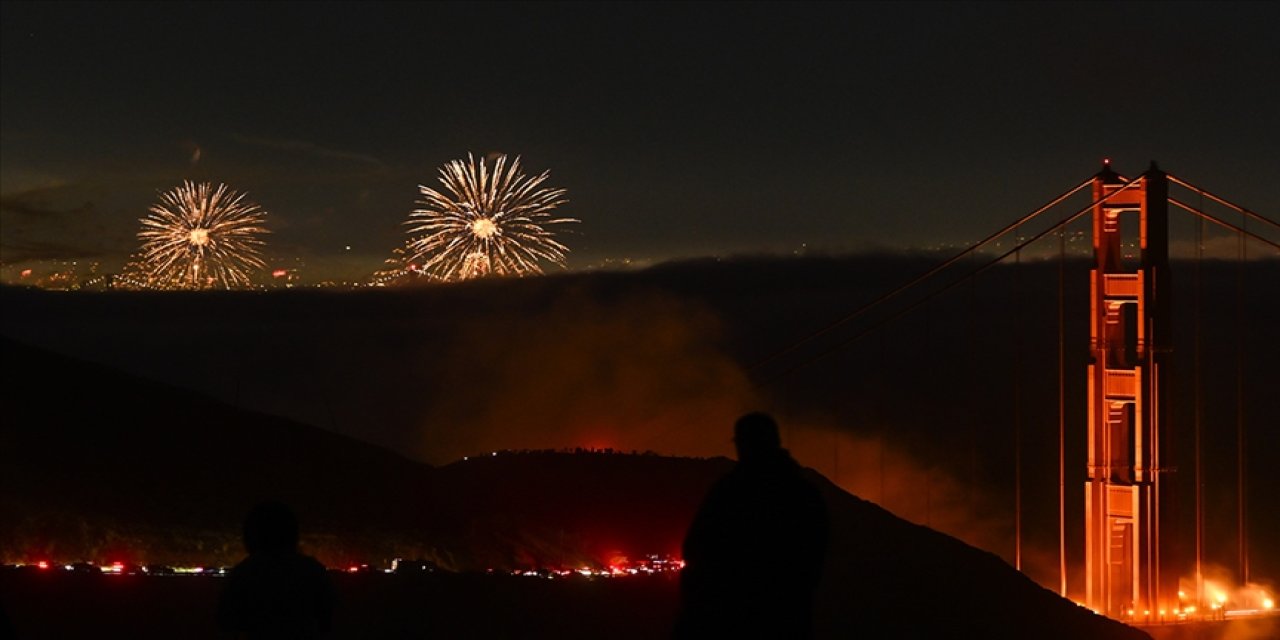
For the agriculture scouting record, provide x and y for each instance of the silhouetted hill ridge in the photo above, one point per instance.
(85, 440)
(158, 463)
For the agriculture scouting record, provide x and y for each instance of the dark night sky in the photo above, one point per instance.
(678, 130)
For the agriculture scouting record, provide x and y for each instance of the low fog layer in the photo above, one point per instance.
(918, 415)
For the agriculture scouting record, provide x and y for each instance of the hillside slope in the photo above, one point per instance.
(117, 468)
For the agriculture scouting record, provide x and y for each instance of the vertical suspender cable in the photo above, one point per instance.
(835, 456)
(1241, 509)
(1062, 420)
(928, 477)
(1196, 414)
(881, 415)
(1017, 405)
(972, 496)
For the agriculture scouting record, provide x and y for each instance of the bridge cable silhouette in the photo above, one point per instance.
(1059, 227)
(930, 296)
(918, 279)
(1018, 247)
(1243, 233)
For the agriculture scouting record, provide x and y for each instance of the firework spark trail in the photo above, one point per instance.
(199, 236)
(493, 221)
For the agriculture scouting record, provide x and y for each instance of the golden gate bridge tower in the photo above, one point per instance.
(1129, 348)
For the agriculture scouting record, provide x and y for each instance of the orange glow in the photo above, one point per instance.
(279, 273)
(26, 273)
(42, 564)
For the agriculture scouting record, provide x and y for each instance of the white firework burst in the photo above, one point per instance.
(494, 221)
(200, 236)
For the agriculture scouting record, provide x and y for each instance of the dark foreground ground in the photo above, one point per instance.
(440, 605)
(370, 606)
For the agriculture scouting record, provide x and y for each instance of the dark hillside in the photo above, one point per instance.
(135, 471)
(100, 465)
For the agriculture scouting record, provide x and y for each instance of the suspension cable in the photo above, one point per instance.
(917, 280)
(867, 307)
(951, 285)
(1223, 201)
(1223, 223)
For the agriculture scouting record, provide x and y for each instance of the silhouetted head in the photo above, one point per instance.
(756, 436)
(270, 528)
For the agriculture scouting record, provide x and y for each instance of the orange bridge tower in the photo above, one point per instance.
(1129, 348)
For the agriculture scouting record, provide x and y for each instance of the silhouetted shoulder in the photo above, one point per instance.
(276, 592)
(277, 596)
(754, 551)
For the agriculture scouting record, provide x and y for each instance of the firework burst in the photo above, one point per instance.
(492, 222)
(200, 236)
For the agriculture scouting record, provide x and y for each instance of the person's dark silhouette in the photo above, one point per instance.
(753, 554)
(276, 592)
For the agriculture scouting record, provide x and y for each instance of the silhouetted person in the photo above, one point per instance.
(276, 592)
(754, 553)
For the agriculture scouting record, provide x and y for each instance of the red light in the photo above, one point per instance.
(279, 273)
(42, 564)
(353, 569)
(26, 273)
(1106, 161)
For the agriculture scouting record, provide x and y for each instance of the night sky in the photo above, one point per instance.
(678, 130)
